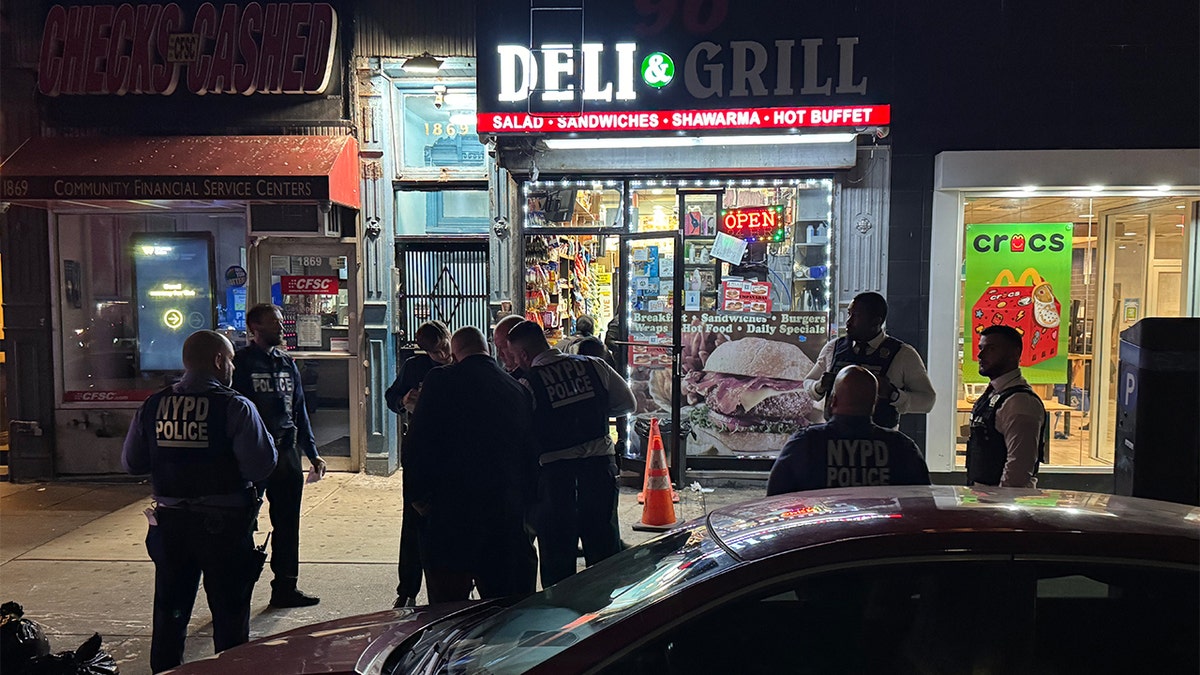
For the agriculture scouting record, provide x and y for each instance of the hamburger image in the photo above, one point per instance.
(753, 397)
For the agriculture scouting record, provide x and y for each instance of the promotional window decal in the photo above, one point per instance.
(1019, 275)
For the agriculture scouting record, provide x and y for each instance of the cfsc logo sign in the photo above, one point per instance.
(1018, 243)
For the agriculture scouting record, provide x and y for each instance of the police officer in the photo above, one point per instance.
(849, 450)
(434, 339)
(204, 446)
(573, 398)
(1009, 426)
(269, 377)
(904, 385)
(503, 348)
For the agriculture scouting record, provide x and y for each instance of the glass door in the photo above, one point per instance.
(314, 284)
(653, 272)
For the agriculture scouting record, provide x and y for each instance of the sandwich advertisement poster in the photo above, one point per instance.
(1019, 275)
(743, 379)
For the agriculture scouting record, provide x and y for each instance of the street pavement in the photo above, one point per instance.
(73, 555)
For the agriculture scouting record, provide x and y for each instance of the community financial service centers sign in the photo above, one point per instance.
(684, 66)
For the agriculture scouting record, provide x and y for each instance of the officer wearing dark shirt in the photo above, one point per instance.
(573, 398)
(504, 351)
(204, 446)
(434, 338)
(849, 450)
(472, 473)
(269, 377)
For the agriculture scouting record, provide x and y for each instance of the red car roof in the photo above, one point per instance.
(933, 518)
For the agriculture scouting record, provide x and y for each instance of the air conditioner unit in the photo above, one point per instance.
(295, 220)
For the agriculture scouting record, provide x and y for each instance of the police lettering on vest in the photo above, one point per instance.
(566, 382)
(856, 462)
(181, 422)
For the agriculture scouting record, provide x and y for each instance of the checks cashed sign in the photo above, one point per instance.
(231, 48)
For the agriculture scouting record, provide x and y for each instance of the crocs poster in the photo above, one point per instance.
(1019, 275)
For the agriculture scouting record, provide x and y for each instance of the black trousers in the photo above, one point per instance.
(577, 501)
(285, 487)
(408, 569)
(186, 546)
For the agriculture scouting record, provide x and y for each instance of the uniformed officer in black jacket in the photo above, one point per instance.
(434, 339)
(204, 446)
(266, 375)
(573, 398)
(850, 450)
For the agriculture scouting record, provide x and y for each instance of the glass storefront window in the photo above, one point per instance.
(441, 212)
(97, 303)
(577, 204)
(313, 291)
(438, 136)
(1122, 259)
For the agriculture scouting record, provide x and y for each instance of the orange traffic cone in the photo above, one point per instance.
(655, 441)
(659, 513)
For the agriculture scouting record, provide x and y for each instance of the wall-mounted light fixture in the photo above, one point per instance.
(422, 64)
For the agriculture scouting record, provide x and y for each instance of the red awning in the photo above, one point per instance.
(196, 168)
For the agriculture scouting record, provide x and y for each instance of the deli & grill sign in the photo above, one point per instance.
(266, 48)
(679, 65)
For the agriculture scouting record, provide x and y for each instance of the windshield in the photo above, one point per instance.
(542, 625)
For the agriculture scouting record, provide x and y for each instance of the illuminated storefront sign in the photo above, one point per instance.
(689, 120)
(754, 222)
(268, 48)
(173, 282)
(638, 68)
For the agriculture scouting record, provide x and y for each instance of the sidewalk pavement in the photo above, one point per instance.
(73, 554)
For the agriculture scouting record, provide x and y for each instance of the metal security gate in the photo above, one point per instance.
(445, 281)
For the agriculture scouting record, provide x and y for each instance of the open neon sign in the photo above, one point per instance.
(755, 223)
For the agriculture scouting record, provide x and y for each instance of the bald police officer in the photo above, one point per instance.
(850, 450)
(204, 446)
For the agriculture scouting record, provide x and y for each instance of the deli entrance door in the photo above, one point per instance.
(652, 270)
(314, 283)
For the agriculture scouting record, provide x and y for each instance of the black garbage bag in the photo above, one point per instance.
(21, 640)
(89, 659)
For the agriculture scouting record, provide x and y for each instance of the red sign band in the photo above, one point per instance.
(308, 285)
(688, 120)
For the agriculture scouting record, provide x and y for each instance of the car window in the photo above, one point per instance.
(944, 617)
(1116, 618)
(893, 618)
(544, 624)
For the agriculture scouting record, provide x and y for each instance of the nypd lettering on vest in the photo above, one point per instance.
(566, 382)
(181, 422)
(856, 462)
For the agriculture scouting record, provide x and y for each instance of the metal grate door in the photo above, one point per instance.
(447, 282)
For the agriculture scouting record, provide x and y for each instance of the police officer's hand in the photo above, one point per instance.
(317, 472)
(320, 466)
(410, 399)
(885, 389)
(826, 383)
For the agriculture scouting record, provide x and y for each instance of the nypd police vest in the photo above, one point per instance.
(859, 455)
(571, 402)
(190, 452)
(878, 362)
(987, 452)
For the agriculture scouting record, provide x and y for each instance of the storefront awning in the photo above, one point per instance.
(195, 168)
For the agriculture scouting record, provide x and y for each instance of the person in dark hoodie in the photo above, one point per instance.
(266, 375)
(433, 338)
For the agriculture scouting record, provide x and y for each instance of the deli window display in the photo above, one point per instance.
(733, 277)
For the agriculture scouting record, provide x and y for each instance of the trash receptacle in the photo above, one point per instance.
(1157, 437)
